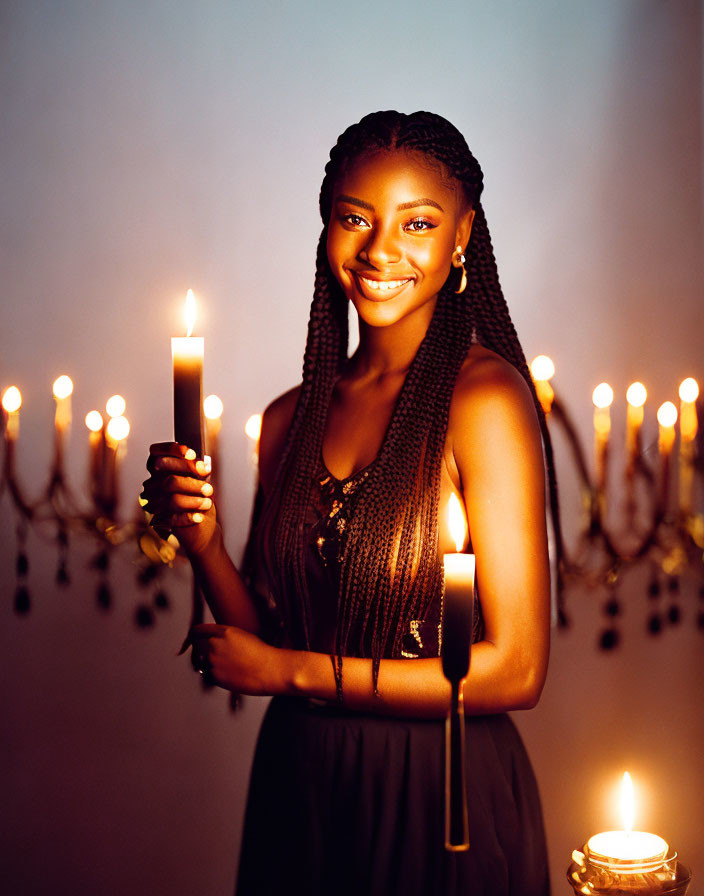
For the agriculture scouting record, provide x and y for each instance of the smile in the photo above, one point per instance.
(382, 287)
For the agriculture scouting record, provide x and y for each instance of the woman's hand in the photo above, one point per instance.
(234, 659)
(179, 496)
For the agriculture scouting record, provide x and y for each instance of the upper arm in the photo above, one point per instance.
(276, 422)
(497, 447)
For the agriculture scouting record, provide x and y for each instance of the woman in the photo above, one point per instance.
(340, 614)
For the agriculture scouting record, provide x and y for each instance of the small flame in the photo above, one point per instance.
(667, 414)
(115, 406)
(456, 522)
(628, 809)
(94, 421)
(63, 387)
(12, 399)
(689, 389)
(253, 427)
(542, 368)
(190, 312)
(603, 396)
(636, 395)
(118, 428)
(212, 407)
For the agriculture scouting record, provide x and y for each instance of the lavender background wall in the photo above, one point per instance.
(150, 147)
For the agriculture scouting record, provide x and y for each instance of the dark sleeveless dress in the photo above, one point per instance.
(352, 804)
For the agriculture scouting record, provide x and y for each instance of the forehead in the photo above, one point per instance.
(391, 177)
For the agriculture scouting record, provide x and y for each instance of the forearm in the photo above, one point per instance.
(223, 588)
(418, 688)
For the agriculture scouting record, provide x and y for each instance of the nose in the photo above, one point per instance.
(381, 248)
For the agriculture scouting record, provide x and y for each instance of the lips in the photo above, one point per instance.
(377, 289)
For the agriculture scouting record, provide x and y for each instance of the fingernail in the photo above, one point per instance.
(197, 517)
(190, 454)
(206, 504)
(201, 468)
(206, 490)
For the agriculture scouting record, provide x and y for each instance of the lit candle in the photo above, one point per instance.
(667, 417)
(187, 354)
(63, 389)
(689, 392)
(602, 398)
(11, 404)
(458, 609)
(117, 430)
(636, 395)
(542, 370)
(94, 423)
(212, 408)
(621, 849)
(253, 429)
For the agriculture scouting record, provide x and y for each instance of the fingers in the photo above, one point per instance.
(170, 457)
(182, 520)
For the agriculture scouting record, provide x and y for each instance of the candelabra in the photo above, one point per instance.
(661, 529)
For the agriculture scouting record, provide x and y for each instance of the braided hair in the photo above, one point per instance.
(390, 570)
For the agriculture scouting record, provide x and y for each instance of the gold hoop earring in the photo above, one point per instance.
(458, 261)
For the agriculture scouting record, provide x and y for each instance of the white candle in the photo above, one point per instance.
(459, 596)
(621, 849)
(11, 404)
(63, 389)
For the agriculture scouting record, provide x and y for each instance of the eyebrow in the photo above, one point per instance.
(416, 203)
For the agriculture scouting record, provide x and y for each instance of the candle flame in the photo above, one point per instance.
(190, 312)
(636, 395)
(118, 428)
(689, 389)
(212, 407)
(542, 368)
(115, 406)
(628, 809)
(12, 399)
(253, 427)
(63, 387)
(94, 421)
(667, 414)
(603, 396)
(456, 522)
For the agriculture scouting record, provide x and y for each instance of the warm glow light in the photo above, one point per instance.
(12, 399)
(94, 421)
(115, 406)
(212, 407)
(456, 522)
(603, 396)
(628, 808)
(253, 427)
(542, 368)
(689, 389)
(667, 414)
(63, 387)
(636, 395)
(118, 428)
(190, 312)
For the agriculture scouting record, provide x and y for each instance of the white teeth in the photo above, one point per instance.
(384, 285)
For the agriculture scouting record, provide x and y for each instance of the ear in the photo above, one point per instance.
(464, 229)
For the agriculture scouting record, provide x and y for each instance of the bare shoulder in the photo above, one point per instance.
(492, 407)
(276, 422)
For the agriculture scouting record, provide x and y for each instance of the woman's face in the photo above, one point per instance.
(393, 228)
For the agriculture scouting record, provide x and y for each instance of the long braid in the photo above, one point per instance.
(390, 570)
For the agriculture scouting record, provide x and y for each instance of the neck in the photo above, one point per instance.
(385, 351)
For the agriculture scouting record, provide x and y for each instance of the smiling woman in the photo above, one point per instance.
(338, 612)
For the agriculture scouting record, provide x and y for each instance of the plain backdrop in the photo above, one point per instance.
(148, 147)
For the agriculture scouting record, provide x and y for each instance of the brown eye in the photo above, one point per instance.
(354, 220)
(419, 225)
